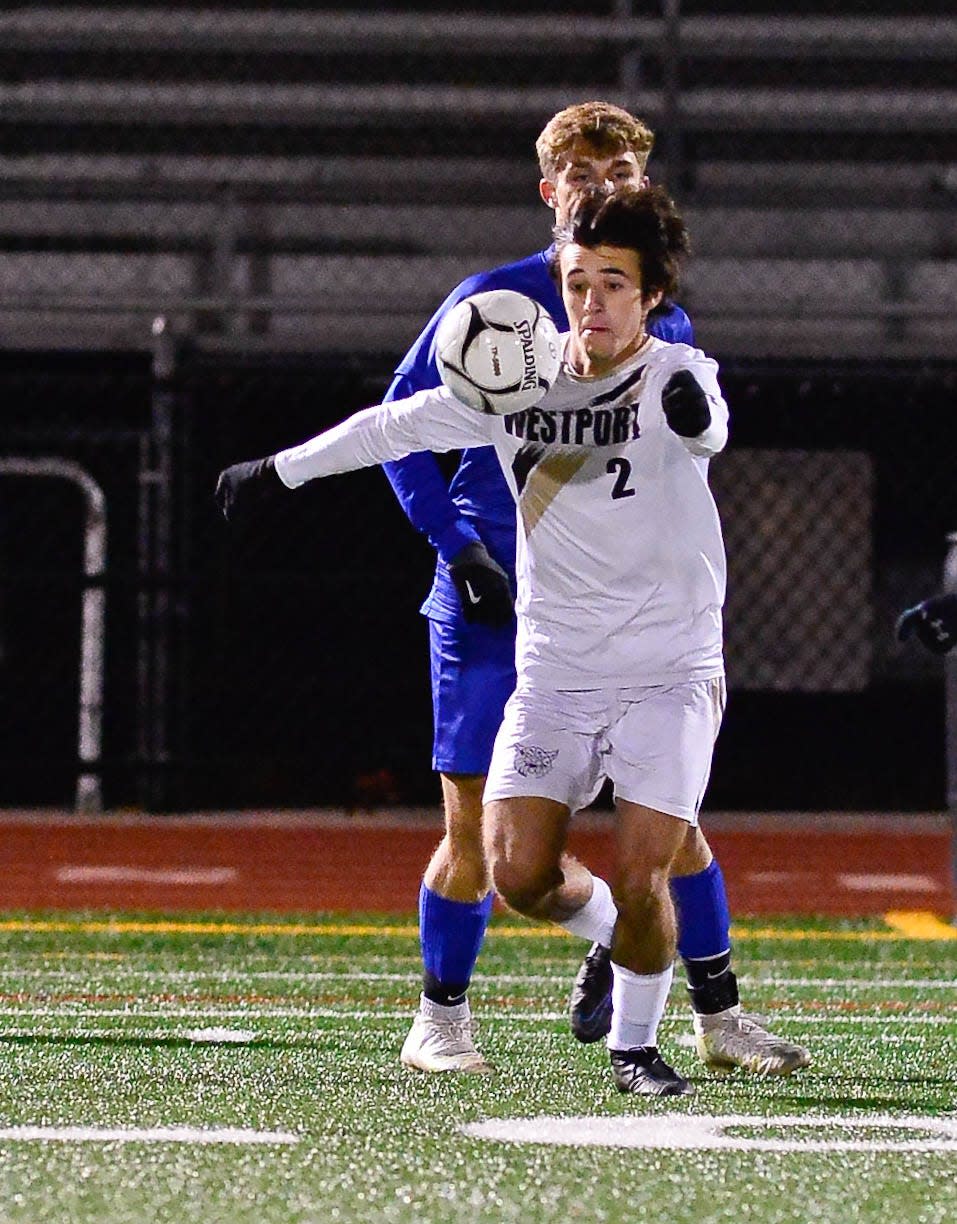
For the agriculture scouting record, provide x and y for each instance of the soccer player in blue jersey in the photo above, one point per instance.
(471, 524)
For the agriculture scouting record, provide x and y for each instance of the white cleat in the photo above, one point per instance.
(442, 1039)
(732, 1038)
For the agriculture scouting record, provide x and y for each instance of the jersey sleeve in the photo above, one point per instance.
(668, 361)
(715, 437)
(417, 479)
(672, 324)
(684, 332)
(427, 421)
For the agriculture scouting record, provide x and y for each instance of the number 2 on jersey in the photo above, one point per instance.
(621, 470)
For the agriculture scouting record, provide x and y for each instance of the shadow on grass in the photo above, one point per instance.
(851, 1092)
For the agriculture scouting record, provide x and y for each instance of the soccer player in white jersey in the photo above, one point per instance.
(470, 522)
(620, 586)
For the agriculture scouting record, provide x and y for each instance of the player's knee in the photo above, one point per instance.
(693, 856)
(639, 891)
(523, 886)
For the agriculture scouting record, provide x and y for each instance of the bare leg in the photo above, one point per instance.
(694, 855)
(524, 849)
(643, 949)
(457, 867)
(645, 937)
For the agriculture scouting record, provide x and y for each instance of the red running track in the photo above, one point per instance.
(827, 864)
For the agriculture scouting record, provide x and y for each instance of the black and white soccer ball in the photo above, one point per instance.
(498, 352)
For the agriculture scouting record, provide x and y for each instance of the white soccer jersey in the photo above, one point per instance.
(620, 561)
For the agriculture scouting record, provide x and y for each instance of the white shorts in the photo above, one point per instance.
(655, 744)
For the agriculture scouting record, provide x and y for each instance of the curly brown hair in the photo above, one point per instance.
(604, 128)
(642, 219)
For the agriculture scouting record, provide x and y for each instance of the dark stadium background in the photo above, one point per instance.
(297, 655)
(287, 665)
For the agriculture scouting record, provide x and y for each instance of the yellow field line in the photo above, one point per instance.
(902, 924)
(917, 924)
(174, 927)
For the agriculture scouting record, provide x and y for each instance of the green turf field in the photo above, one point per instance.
(122, 1102)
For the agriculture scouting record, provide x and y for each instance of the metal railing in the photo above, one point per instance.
(93, 616)
(276, 31)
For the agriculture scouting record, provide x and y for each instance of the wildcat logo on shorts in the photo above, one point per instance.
(534, 762)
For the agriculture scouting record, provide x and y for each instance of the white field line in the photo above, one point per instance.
(486, 980)
(857, 881)
(276, 975)
(65, 1011)
(682, 1039)
(54, 961)
(143, 1134)
(854, 983)
(191, 876)
(687, 1131)
(199, 1037)
(675, 1033)
(854, 881)
(762, 973)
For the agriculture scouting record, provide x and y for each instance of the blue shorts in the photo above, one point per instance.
(473, 675)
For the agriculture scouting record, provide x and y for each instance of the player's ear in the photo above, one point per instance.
(546, 190)
(651, 300)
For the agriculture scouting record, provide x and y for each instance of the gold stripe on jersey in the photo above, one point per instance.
(545, 481)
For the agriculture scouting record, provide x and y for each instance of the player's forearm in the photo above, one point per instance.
(423, 494)
(421, 488)
(692, 398)
(428, 421)
(417, 480)
(715, 437)
(361, 441)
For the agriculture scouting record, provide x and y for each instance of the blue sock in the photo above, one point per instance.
(451, 934)
(704, 920)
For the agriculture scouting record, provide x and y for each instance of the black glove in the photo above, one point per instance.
(243, 487)
(482, 586)
(934, 621)
(685, 405)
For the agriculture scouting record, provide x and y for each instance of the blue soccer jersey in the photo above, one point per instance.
(477, 505)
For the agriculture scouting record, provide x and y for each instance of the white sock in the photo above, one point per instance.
(596, 919)
(638, 1003)
(443, 1011)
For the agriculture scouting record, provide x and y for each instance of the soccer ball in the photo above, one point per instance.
(498, 351)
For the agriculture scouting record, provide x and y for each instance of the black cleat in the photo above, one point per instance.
(590, 1003)
(645, 1072)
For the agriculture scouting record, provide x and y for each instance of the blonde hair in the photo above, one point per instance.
(605, 128)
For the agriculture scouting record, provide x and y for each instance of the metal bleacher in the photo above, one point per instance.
(304, 176)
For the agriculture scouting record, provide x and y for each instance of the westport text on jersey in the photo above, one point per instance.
(578, 427)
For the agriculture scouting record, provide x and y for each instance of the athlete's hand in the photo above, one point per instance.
(244, 487)
(685, 405)
(482, 587)
(934, 621)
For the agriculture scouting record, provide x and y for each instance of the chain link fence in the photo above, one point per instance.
(293, 189)
(798, 537)
(286, 664)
